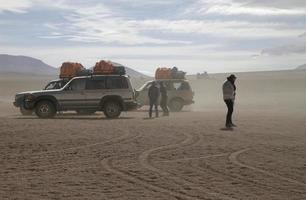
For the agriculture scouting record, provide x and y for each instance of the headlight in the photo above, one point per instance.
(29, 97)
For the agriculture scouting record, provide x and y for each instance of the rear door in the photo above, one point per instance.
(95, 90)
(181, 89)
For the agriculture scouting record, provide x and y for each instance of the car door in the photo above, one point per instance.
(73, 95)
(95, 90)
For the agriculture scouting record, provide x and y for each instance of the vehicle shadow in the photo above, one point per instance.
(75, 117)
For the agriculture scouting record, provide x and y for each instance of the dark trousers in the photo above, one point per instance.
(230, 109)
(153, 103)
(164, 105)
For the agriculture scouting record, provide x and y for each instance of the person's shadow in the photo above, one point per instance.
(227, 129)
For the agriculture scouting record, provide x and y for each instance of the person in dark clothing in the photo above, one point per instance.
(153, 98)
(164, 99)
(229, 94)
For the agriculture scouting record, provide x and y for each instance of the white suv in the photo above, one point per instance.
(179, 91)
(108, 93)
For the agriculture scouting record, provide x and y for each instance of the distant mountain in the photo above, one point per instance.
(302, 67)
(135, 74)
(24, 64)
(29, 65)
(129, 71)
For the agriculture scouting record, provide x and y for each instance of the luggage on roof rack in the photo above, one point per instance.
(84, 72)
(169, 73)
(108, 67)
(70, 69)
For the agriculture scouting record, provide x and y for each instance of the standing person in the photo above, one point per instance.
(229, 94)
(164, 99)
(153, 97)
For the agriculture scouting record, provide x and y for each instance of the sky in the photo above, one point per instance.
(194, 35)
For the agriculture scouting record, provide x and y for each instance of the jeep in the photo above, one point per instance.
(179, 93)
(111, 94)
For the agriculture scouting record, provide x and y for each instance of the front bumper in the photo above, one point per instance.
(16, 104)
(132, 105)
(189, 102)
(29, 105)
(18, 101)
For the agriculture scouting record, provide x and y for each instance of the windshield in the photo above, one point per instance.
(144, 86)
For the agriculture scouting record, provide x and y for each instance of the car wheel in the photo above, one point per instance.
(112, 109)
(85, 112)
(25, 112)
(45, 109)
(176, 105)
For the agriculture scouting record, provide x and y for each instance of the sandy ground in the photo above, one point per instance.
(185, 156)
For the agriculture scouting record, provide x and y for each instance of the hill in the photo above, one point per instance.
(25, 64)
(302, 67)
(29, 65)
(135, 74)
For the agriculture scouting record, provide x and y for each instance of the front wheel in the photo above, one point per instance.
(25, 112)
(176, 105)
(112, 110)
(45, 109)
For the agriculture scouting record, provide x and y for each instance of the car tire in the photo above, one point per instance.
(112, 109)
(45, 109)
(25, 112)
(85, 112)
(176, 105)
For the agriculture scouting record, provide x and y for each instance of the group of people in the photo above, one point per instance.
(229, 95)
(154, 94)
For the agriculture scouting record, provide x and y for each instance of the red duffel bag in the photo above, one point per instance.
(103, 67)
(70, 69)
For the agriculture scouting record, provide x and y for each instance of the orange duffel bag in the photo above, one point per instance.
(70, 69)
(163, 73)
(103, 67)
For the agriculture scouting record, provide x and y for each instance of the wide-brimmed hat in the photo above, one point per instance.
(232, 76)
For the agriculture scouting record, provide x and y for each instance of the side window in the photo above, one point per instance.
(169, 85)
(50, 86)
(95, 84)
(117, 82)
(177, 85)
(77, 84)
(182, 86)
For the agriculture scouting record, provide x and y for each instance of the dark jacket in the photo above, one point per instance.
(153, 93)
(163, 92)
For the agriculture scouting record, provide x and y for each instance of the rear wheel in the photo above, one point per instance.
(85, 112)
(45, 109)
(25, 112)
(112, 109)
(176, 105)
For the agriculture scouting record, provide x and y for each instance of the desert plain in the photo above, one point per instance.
(188, 155)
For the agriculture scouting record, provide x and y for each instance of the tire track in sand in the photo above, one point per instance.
(107, 164)
(145, 162)
(79, 147)
(253, 182)
(234, 158)
(116, 140)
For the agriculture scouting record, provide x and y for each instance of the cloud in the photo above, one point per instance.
(16, 6)
(285, 50)
(294, 46)
(99, 24)
(303, 35)
(225, 29)
(239, 7)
